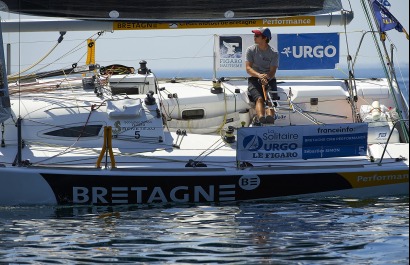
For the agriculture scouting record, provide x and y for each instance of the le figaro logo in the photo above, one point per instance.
(231, 52)
(231, 47)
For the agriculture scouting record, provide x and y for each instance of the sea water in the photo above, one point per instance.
(330, 231)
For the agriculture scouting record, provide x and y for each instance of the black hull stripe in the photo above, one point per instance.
(85, 189)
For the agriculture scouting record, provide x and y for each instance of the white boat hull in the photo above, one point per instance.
(163, 156)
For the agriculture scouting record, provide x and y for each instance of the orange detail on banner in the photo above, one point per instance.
(370, 179)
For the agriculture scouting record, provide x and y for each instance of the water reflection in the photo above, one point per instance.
(282, 232)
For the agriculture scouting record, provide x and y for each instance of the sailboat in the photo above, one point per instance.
(118, 135)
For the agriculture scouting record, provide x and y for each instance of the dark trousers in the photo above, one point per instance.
(255, 87)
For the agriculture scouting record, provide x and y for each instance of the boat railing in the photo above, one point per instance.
(388, 140)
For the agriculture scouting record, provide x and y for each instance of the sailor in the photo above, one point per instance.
(262, 62)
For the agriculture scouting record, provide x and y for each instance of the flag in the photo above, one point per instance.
(385, 19)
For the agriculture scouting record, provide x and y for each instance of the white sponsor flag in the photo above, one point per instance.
(230, 51)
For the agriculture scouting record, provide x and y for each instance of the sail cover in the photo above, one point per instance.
(170, 10)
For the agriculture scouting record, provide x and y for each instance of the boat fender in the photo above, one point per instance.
(376, 110)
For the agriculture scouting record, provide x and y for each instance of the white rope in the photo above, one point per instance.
(35, 64)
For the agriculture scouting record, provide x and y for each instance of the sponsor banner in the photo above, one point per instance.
(309, 51)
(296, 51)
(266, 144)
(231, 53)
(298, 21)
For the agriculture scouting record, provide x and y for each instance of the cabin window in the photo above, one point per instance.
(77, 131)
(194, 114)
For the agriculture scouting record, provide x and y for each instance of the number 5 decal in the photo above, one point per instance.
(137, 135)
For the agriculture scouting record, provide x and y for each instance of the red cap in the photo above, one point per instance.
(263, 31)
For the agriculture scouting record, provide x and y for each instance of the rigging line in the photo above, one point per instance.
(350, 4)
(60, 58)
(226, 164)
(55, 126)
(219, 130)
(73, 163)
(77, 48)
(37, 145)
(140, 155)
(84, 55)
(162, 99)
(74, 50)
(38, 62)
(155, 37)
(196, 55)
(223, 144)
(402, 76)
(209, 148)
(157, 59)
(352, 78)
(383, 63)
(394, 75)
(78, 139)
(155, 147)
(396, 61)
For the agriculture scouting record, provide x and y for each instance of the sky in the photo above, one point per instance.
(181, 52)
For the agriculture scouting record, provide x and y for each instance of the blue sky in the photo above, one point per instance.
(179, 50)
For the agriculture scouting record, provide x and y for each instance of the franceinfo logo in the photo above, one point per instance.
(338, 130)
